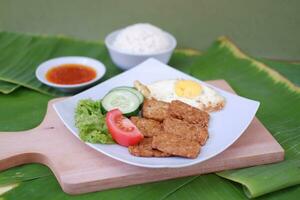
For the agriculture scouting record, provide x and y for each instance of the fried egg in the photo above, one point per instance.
(188, 91)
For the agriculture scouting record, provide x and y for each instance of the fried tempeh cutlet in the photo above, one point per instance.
(176, 145)
(148, 127)
(185, 112)
(184, 129)
(144, 149)
(153, 109)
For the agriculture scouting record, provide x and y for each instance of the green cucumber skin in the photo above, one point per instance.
(102, 108)
(132, 89)
(134, 112)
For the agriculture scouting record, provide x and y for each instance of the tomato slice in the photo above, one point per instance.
(123, 131)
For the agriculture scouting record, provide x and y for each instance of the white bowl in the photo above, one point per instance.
(44, 67)
(125, 60)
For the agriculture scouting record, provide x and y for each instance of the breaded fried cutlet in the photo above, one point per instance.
(144, 149)
(185, 112)
(203, 136)
(148, 127)
(184, 129)
(176, 145)
(156, 110)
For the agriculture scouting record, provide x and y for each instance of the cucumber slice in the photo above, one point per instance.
(131, 89)
(126, 101)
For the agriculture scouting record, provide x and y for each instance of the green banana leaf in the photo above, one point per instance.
(21, 110)
(24, 173)
(290, 70)
(279, 112)
(40, 183)
(287, 69)
(6, 87)
(20, 55)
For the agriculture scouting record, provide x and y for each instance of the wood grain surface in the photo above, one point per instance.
(80, 169)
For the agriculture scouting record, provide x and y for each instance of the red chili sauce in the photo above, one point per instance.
(69, 74)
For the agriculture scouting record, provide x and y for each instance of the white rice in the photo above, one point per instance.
(142, 39)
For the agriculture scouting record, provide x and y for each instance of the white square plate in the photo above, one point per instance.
(225, 126)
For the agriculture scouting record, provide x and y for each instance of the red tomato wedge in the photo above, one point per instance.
(123, 131)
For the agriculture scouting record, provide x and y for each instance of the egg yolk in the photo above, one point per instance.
(187, 88)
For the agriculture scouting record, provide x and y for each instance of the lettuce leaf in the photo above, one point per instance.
(91, 122)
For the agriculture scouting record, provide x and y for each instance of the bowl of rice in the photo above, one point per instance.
(134, 44)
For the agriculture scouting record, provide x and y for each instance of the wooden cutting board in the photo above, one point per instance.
(79, 168)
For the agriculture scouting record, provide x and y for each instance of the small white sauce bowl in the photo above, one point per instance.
(44, 67)
(125, 60)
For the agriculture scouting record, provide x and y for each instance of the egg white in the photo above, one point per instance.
(165, 91)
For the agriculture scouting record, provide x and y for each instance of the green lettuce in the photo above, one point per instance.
(91, 122)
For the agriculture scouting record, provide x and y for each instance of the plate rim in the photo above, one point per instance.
(193, 161)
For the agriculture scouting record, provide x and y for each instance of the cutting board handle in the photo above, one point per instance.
(79, 168)
(16, 148)
(29, 146)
